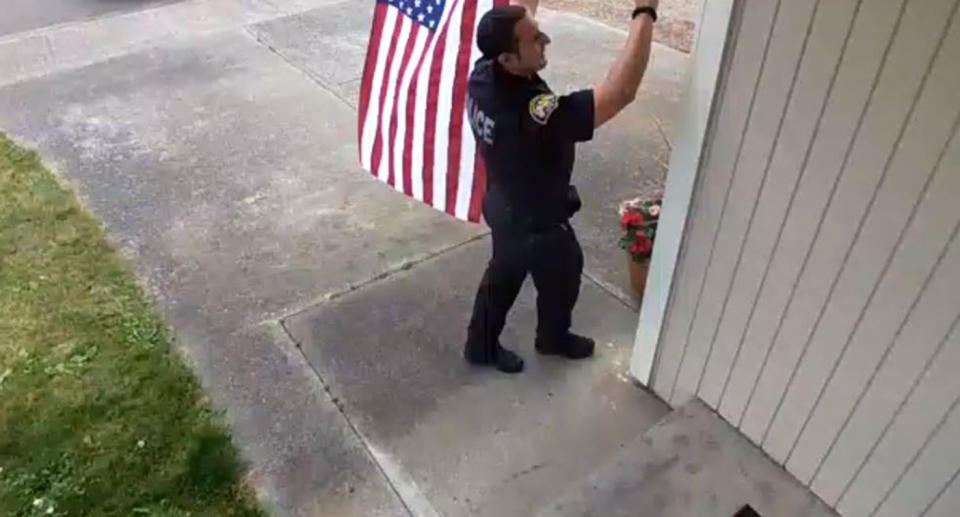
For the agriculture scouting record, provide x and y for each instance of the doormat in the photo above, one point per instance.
(747, 511)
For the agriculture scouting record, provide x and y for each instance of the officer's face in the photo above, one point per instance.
(532, 44)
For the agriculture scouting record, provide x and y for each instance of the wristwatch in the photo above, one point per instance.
(645, 10)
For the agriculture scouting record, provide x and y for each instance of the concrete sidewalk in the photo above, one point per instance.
(690, 464)
(215, 139)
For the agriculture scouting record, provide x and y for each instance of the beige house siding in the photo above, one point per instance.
(817, 292)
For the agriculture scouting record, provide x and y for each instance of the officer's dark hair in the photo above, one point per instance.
(495, 34)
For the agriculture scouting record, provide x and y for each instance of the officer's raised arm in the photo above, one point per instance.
(620, 86)
(531, 5)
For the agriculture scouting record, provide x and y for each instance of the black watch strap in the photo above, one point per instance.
(645, 10)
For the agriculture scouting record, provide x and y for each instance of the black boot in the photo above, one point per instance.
(570, 346)
(503, 359)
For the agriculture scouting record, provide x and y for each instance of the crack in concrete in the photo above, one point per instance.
(612, 291)
(414, 502)
(404, 265)
(303, 69)
(409, 264)
(663, 134)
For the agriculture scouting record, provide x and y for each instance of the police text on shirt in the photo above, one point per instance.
(482, 125)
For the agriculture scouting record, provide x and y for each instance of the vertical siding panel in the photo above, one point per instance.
(830, 297)
(922, 416)
(921, 340)
(669, 349)
(818, 71)
(947, 504)
(933, 469)
(704, 89)
(709, 197)
(859, 70)
(888, 268)
(749, 174)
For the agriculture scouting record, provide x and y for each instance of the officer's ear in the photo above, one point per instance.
(507, 59)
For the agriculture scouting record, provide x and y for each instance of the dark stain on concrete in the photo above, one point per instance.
(655, 469)
(527, 471)
(659, 503)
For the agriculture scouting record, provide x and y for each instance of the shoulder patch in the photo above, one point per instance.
(542, 106)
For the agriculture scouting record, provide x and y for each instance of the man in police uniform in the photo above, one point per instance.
(526, 135)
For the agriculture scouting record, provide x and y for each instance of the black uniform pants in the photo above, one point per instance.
(555, 260)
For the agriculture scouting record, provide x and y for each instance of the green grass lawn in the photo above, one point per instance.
(98, 414)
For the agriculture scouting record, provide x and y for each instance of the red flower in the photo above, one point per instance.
(642, 245)
(646, 246)
(632, 219)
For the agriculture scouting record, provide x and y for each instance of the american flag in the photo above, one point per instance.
(413, 132)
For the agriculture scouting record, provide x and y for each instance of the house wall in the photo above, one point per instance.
(816, 296)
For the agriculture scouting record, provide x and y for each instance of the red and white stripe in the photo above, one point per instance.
(414, 133)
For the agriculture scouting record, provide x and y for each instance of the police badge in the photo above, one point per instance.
(542, 106)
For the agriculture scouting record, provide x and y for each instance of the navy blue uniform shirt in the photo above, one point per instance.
(526, 136)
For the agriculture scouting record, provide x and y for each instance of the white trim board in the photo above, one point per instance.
(703, 82)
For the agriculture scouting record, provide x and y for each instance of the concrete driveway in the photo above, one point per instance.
(325, 312)
(24, 15)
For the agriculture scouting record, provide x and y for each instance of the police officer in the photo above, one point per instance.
(526, 135)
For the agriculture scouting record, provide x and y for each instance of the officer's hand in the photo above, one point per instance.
(648, 3)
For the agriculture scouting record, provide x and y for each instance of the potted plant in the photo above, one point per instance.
(638, 220)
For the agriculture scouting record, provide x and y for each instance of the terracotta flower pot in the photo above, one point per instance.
(638, 274)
